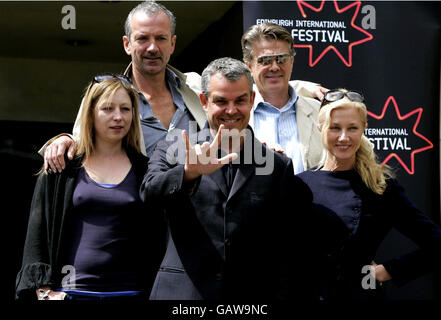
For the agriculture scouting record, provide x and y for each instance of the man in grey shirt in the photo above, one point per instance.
(168, 99)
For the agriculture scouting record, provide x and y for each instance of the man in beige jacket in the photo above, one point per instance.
(281, 117)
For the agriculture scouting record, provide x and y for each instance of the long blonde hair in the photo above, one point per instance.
(94, 92)
(373, 174)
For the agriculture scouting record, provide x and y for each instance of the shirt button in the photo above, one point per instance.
(219, 276)
(173, 190)
(227, 242)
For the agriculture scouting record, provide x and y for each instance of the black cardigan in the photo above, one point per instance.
(45, 239)
(345, 253)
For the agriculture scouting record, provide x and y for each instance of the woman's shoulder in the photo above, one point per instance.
(72, 165)
(393, 187)
(135, 155)
(138, 160)
(311, 175)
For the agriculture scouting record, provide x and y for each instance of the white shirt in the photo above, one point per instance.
(273, 125)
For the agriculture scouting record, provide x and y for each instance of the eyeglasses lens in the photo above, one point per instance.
(267, 60)
(334, 95)
(102, 77)
(354, 96)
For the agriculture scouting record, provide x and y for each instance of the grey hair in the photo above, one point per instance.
(229, 68)
(268, 31)
(151, 8)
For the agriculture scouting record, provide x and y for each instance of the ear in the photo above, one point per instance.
(319, 128)
(127, 47)
(173, 43)
(203, 101)
(253, 96)
(248, 65)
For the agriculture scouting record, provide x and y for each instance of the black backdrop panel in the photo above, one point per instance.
(389, 51)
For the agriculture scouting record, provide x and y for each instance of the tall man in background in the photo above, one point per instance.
(168, 98)
(281, 117)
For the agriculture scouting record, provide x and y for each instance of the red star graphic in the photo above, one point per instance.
(348, 61)
(391, 101)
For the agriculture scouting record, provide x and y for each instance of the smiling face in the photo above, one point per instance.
(272, 78)
(151, 43)
(228, 103)
(342, 138)
(112, 117)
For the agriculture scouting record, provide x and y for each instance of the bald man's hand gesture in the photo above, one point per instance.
(202, 158)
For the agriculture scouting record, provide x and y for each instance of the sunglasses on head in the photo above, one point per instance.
(335, 95)
(106, 76)
(280, 59)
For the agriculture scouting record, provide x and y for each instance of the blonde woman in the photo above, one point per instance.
(89, 234)
(357, 202)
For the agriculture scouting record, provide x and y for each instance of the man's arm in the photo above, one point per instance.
(53, 150)
(309, 89)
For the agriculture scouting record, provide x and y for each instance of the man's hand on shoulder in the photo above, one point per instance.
(319, 92)
(275, 147)
(309, 89)
(54, 153)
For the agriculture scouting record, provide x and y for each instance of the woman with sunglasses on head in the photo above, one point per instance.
(89, 236)
(356, 203)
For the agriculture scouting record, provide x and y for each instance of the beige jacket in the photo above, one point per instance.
(307, 110)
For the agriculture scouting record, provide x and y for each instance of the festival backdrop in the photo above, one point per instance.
(390, 52)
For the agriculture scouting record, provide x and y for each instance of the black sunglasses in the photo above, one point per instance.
(268, 59)
(334, 95)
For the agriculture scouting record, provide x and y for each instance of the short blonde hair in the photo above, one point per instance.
(373, 174)
(106, 89)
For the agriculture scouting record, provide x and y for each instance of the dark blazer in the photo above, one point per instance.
(48, 224)
(242, 244)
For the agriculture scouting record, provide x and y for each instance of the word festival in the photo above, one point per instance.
(319, 35)
(390, 138)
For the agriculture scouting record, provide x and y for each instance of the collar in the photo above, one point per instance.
(170, 75)
(172, 78)
(173, 81)
(260, 102)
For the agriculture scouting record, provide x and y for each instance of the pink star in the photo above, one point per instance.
(348, 61)
(418, 111)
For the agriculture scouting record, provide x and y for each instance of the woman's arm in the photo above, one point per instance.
(36, 270)
(419, 228)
